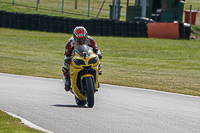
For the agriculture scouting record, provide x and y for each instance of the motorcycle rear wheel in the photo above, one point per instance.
(89, 92)
(79, 102)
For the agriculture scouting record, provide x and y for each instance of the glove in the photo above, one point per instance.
(64, 70)
(100, 56)
(67, 60)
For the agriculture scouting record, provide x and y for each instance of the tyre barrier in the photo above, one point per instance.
(187, 31)
(79, 22)
(65, 25)
(99, 27)
(15, 20)
(125, 29)
(59, 24)
(181, 31)
(90, 26)
(111, 27)
(40, 22)
(132, 29)
(34, 21)
(10, 20)
(86, 24)
(53, 24)
(141, 28)
(20, 21)
(1, 12)
(72, 25)
(27, 21)
(5, 19)
(118, 28)
(46, 23)
(105, 27)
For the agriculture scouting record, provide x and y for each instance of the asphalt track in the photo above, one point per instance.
(117, 109)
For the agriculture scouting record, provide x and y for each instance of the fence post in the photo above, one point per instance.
(37, 5)
(88, 8)
(75, 4)
(113, 15)
(190, 16)
(118, 10)
(13, 2)
(62, 6)
(144, 6)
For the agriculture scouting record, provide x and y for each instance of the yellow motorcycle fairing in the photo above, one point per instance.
(83, 65)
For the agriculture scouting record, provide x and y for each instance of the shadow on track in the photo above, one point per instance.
(71, 106)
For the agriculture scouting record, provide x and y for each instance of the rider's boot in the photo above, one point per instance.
(66, 80)
(100, 73)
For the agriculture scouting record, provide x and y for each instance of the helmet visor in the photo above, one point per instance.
(81, 40)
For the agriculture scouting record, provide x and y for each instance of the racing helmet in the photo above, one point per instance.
(80, 35)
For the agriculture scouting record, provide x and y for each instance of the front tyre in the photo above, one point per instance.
(89, 91)
(79, 102)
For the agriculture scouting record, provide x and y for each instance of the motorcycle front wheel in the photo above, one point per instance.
(79, 102)
(89, 91)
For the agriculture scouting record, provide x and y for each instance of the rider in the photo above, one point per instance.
(80, 37)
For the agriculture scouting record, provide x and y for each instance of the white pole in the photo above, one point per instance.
(62, 6)
(113, 9)
(118, 9)
(88, 8)
(37, 5)
(144, 6)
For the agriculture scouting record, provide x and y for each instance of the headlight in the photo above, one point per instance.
(93, 60)
(78, 62)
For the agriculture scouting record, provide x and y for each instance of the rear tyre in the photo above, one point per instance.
(79, 102)
(89, 92)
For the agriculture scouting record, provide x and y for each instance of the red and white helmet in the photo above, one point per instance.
(80, 35)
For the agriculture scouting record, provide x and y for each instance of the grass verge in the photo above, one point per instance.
(8, 124)
(159, 64)
(196, 31)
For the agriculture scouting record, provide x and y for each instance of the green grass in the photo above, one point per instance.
(159, 64)
(167, 65)
(9, 124)
(196, 31)
(54, 8)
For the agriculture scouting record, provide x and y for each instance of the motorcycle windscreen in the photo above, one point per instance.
(83, 49)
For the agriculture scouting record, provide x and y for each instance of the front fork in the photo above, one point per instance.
(64, 79)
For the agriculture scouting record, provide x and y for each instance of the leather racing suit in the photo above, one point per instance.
(69, 47)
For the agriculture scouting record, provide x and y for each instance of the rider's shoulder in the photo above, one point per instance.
(70, 40)
(90, 38)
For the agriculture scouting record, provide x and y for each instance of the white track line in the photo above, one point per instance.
(28, 123)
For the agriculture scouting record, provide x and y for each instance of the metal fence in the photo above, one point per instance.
(72, 8)
(82, 9)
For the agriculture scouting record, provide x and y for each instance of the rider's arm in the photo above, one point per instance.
(94, 46)
(68, 51)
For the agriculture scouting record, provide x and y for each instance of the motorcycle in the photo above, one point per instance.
(84, 71)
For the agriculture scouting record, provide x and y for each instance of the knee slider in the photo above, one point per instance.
(65, 70)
